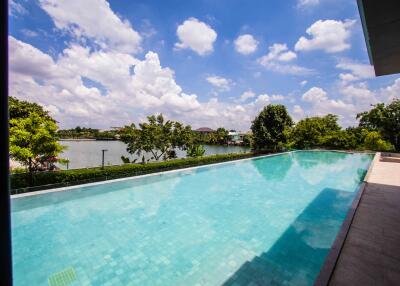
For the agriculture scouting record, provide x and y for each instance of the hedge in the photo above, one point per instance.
(52, 179)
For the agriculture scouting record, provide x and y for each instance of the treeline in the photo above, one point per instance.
(378, 130)
(87, 133)
(34, 135)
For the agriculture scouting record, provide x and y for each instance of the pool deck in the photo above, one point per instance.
(371, 250)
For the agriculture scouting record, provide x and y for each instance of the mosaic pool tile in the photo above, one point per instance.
(269, 220)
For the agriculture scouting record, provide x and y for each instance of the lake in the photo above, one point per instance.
(83, 154)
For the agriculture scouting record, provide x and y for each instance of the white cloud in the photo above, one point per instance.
(328, 35)
(277, 60)
(303, 83)
(265, 99)
(15, 8)
(391, 92)
(359, 94)
(278, 52)
(136, 88)
(298, 112)
(220, 83)
(307, 3)
(196, 35)
(246, 44)
(29, 33)
(314, 94)
(95, 20)
(358, 71)
(346, 77)
(246, 95)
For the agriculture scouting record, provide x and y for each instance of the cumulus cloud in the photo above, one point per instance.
(307, 3)
(246, 44)
(220, 83)
(330, 36)
(303, 83)
(246, 95)
(136, 88)
(95, 20)
(314, 94)
(197, 36)
(356, 71)
(277, 60)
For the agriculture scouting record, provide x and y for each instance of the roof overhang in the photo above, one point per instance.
(381, 24)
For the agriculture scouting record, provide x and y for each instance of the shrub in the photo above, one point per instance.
(45, 180)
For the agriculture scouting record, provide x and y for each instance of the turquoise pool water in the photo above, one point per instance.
(266, 221)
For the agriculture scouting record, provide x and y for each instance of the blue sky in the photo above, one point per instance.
(206, 63)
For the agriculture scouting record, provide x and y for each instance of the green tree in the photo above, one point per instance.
(195, 151)
(310, 132)
(34, 141)
(221, 135)
(374, 141)
(22, 109)
(384, 119)
(270, 127)
(157, 136)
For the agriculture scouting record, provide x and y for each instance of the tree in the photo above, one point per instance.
(157, 136)
(22, 109)
(384, 119)
(374, 141)
(195, 151)
(270, 127)
(310, 132)
(33, 141)
(221, 135)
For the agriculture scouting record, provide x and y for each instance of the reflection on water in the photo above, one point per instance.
(83, 154)
(277, 166)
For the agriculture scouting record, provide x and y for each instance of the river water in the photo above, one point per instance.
(83, 154)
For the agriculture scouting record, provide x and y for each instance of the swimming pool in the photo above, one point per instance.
(268, 220)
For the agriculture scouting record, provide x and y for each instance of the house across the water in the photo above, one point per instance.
(236, 137)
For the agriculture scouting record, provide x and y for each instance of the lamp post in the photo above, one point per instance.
(102, 158)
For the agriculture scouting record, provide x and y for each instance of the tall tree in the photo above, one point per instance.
(157, 136)
(34, 141)
(384, 119)
(270, 127)
(22, 109)
(309, 132)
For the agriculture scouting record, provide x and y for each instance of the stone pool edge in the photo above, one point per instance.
(331, 259)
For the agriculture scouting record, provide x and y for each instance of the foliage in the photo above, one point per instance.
(385, 119)
(218, 137)
(22, 109)
(324, 132)
(309, 132)
(42, 180)
(269, 127)
(33, 141)
(195, 151)
(374, 141)
(157, 136)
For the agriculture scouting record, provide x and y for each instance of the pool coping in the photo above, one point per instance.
(331, 260)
